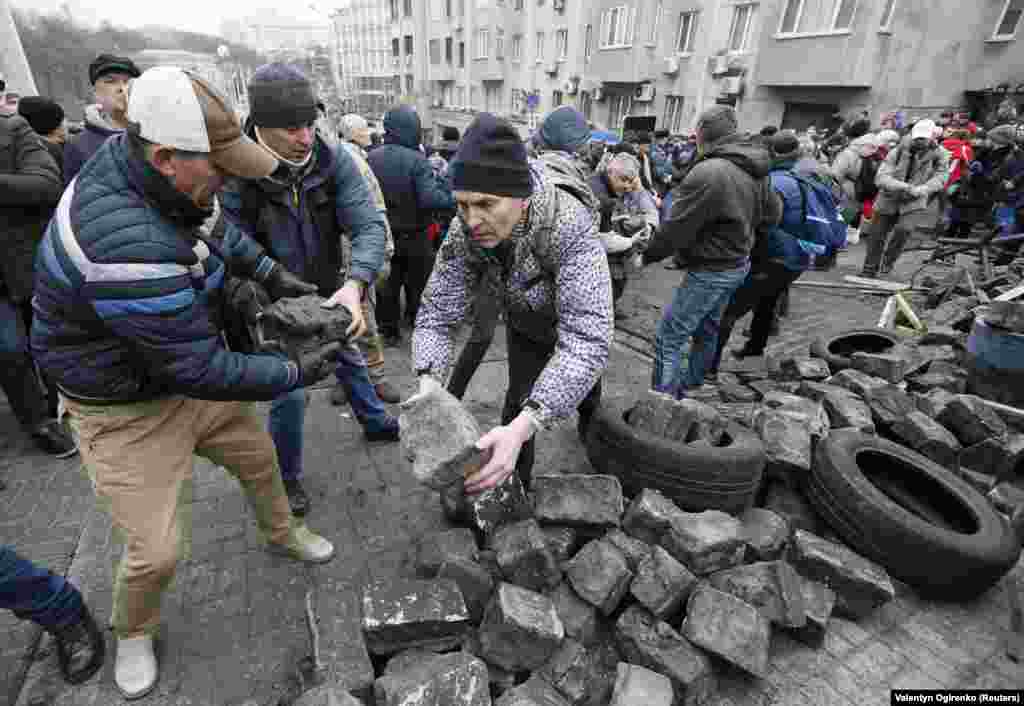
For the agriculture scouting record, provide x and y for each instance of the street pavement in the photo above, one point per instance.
(234, 622)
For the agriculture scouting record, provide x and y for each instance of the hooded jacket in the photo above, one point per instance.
(725, 197)
(903, 167)
(551, 277)
(78, 151)
(29, 189)
(411, 189)
(846, 168)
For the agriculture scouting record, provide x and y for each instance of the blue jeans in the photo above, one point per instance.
(695, 310)
(288, 412)
(37, 594)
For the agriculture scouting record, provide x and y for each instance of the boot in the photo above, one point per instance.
(80, 649)
(387, 392)
(135, 671)
(53, 438)
(304, 545)
(339, 395)
(297, 497)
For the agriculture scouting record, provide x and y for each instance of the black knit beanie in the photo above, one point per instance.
(491, 160)
(281, 96)
(42, 114)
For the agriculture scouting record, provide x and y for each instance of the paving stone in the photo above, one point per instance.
(925, 383)
(763, 387)
(972, 420)
(454, 679)
(946, 353)
(737, 392)
(855, 381)
(402, 614)
(645, 641)
(933, 402)
(323, 695)
(633, 549)
(639, 686)
(861, 586)
(579, 618)
(561, 541)
(1007, 497)
(584, 675)
(929, 438)
(819, 601)
(649, 516)
(407, 660)
(474, 581)
(804, 369)
(591, 502)
(653, 413)
(1006, 315)
(846, 411)
(535, 691)
(488, 510)
(694, 420)
(439, 436)
(887, 366)
(524, 557)
(600, 575)
(791, 505)
(520, 630)
(941, 336)
(773, 587)
(303, 326)
(818, 391)
(741, 413)
(728, 627)
(787, 442)
(889, 404)
(765, 534)
(436, 548)
(705, 542)
(806, 411)
(662, 584)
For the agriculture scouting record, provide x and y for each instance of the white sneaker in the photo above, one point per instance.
(135, 671)
(304, 545)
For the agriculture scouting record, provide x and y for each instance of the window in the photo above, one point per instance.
(1007, 26)
(394, 10)
(586, 104)
(818, 16)
(435, 51)
(540, 47)
(492, 97)
(462, 54)
(518, 100)
(887, 12)
(685, 38)
(396, 47)
(517, 47)
(447, 8)
(408, 84)
(617, 27)
(474, 98)
(518, 5)
(562, 44)
(483, 43)
(659, 12)
(448, 45)
(407, 8)
(408, 44)
(673, 121)
(618, 109)
(739, 31)
(460, 96)
(588, 42)
(499, 44)
(556, 99)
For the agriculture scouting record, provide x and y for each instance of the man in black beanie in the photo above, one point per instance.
(519, 237)
(47, 119)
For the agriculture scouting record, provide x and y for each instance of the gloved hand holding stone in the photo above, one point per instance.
(315, 365)
(281, 283)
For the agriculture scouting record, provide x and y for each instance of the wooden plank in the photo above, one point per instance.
(876, 283)
(841, 288)
(888, 317)
(1012, 294)
(904, 307)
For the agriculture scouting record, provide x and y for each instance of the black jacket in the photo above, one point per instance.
(717, 209)
(30, 186)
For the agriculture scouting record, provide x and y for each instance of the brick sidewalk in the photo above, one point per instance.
(234, 625)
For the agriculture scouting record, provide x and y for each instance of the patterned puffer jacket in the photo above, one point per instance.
(552, 279)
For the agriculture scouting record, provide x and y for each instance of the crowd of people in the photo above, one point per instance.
(143, 253)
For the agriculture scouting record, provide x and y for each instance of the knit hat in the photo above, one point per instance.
(42, 114)
(564, 129)
(449, 140)
(785, 146)
(717, 122)
(491, 160)
(110, 64)
(281, 96)
(1003, 135)
(858, 128)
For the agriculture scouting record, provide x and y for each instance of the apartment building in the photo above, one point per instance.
(365, 68)
(781, 62)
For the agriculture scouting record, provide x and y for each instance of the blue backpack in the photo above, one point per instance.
(820, 222)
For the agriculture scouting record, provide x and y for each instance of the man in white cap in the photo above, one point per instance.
(910, 174)
(126, 302)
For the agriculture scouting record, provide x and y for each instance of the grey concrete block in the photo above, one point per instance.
(520, 630)
(504, 504)
(402, 614)
(524, 557)
(705, 542)
(639, 686)
(653, 413)
(889, 404)
(649, 516)
(454, 679)
(845, 411)
(819, 600)
(535, 691)
(580, 619)
(662, 584)
(600, 575)
(728, 627)
(972, 420)
(561, 541)
(792, 506)
(861, 585)
(584, 675)
(591, 502)
(933, 402)
(436, 548)
(891, 366)
(804, 369)
(633, 549)
(773, 587)
(765, 534)
(929, 438)
(808, 412)
(855, 381)
(439, 436)
(474, 581)
(787, 442)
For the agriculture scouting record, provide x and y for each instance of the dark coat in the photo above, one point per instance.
(30, 187)
(79, 150)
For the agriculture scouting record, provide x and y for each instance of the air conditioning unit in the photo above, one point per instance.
(570, 87)
(558, 5)
(671, 65)
(644, 93)
(598, 95)
(551, 68)
(732, 85)
(719, 64)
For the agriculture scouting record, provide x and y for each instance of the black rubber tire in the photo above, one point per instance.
(921, 522)
(836, 350)
(696, 478)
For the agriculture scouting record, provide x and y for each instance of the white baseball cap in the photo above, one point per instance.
(923, 128)
(174, 107)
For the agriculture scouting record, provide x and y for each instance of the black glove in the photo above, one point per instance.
(317, 364)
(249, 300)
(281, 283)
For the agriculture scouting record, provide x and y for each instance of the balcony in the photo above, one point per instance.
(841, 60)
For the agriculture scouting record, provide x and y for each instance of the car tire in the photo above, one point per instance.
(836, 350)
(921, 522)
(695, 477)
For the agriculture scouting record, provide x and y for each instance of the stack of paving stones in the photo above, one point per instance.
(595, 599)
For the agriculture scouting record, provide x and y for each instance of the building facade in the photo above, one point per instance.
(366, 72)
(228, 76)
(779, 62)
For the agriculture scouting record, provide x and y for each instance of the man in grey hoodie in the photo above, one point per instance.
(109, 76)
